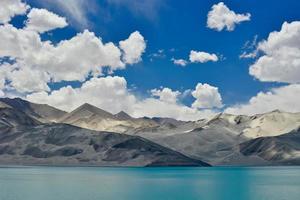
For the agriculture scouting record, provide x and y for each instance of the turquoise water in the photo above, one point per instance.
(55, 183)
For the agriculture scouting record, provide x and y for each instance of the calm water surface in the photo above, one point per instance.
(55, 183)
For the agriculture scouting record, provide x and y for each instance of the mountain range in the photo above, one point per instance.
(38, 134)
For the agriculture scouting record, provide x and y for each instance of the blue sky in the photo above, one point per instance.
(182, 25)
(176, 28)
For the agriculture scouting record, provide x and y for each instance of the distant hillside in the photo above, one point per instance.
(92, 136)
(25, 140)
(91, 117)
(41, 112)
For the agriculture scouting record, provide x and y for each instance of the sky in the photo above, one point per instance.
(181, 59)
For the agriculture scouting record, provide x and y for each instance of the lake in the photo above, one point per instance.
(88, 183)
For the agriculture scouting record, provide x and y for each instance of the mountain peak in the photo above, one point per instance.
(88, 109)
(123, 116)
(17, 103)
(87, 106)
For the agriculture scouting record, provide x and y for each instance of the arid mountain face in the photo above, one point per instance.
(93, 118)
(41, 112)
(28, 141)
(40, 134)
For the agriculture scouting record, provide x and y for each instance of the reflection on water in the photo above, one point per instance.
(48, 183)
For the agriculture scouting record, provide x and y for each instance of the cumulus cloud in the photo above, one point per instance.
(112, 94)
(69, 60)
(202, 57)
(109, 93)
(42, 20)
(166, 95)
(28, 64)
(196, 57)
(221, 17)
(280, 61)
(25, 80)
(20, 46)
(133, 48)
(77, 11)
(18, 42)
(73, 59)
(180, 62)
(156, 108)
(207, 97)
(283, 98)
(4, 71)
(10, 8)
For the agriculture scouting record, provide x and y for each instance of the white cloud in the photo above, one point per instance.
(42, 20)
(180, 62)
(250, 48)
(248, 55)
(112, 94)
(221, 17)
(10, 8)
(77, 11)
(133, 48)
(73, 59)
(69, 60)
(4, 71)
(280, 61)
(26, 80)
(284, 98)
(166, 95)
(18, 42)
(109, 93)
(22, 79)
(21, 46)
(202, 57)
(206, 97)
(196, 57)
(156, 108)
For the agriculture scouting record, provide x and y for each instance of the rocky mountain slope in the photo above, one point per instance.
(91, 117)
(61, 144)
(265, 139)
(215, 140)
(271, 124)
(283, 149)
(25, 140)
(41, 112)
